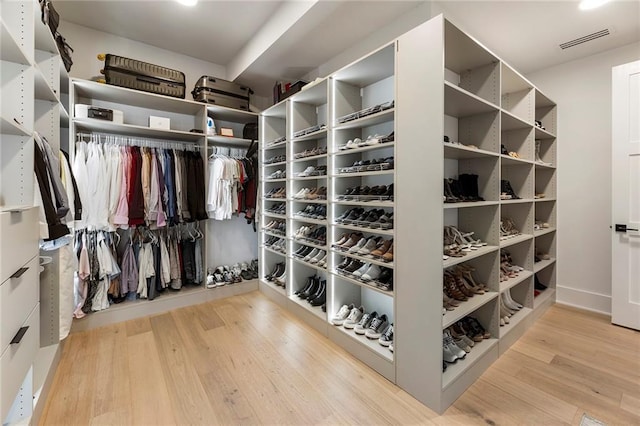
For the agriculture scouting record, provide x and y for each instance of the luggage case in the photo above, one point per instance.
(138, 75)
(222, 92)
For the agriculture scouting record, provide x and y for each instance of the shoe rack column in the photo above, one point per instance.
(307, 287)
(274, 137)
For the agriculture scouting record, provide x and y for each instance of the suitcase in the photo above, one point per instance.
(138, 75)
(221, 92)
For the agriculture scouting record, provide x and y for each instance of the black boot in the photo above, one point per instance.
(321, 297)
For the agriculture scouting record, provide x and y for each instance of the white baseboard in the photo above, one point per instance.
(584, 299)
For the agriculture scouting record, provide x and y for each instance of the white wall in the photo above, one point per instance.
(582, 90)
(87, 43)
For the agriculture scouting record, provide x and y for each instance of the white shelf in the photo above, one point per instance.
(544, 200)
(10, 50)
(389, 232)
(371, 344)
(310, 220)
(459, 102)
(452, 261)
(230, 114)
(365, 148)
(295, 200)
(543, 297)
(315, 135)
(468, 204)
(279, 163)
(315, 310)
(378, 203)
(274, 199)
(515, 240)
(456, 370)
(508, 160)
(543, 134)
(512, 282)
(307, 243)
(10, 127)
(364, 259)
(267, 180)
(310, 158)
(278, 289)
(516, 319)
(539, 266)
(370, 120)
(276, 215)
(467, 307)
(267, 232)
(122, 95)
(42, 89)
(542, 166)
(310, 265)
(228, 140)
(544, 231)
(461, 152)
(357, 174)
(512, 122)
(92, 124)
(309, 178)
(517, 201)
(363, 284)
(282, 144)
(274, 251)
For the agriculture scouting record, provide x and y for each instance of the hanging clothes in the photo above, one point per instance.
(232, 187)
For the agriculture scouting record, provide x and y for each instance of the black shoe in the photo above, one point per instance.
(307, 286)
(318, 289)
(537, 284)
(311, 290)
(320, 298)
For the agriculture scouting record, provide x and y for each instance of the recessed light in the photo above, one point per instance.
(592, 4)
(187, 2)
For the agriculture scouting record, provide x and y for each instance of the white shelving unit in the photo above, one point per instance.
(480, 103)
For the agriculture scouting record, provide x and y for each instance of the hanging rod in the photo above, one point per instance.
(137, 141)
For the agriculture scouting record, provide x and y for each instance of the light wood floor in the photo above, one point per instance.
(243, 360)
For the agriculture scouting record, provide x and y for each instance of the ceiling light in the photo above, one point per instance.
(591, 4)
(188, 2)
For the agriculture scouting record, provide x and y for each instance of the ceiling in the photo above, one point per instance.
(526, 34)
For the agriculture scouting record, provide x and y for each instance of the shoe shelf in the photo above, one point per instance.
(459, 102)
(315, 310)
(370, 120)
(308, 243)
(310, 158)
(276, 215)
(365, 148)
(279, 163)
(308, 264)
(545, 199)
(267, 248)
(9, 127)
(274, 199)
(456, 370)
(273, 286)
(543, 134)
(378, 203)
(376, 231)
(276, 180)
(297, 200)
(311, 136)
(371, 344)
(282, 144)
(543, 297)
(512, 122)
(517, 201)
(273, 234)
(514, 320)
(461, 152)
(364, 258)
(310, 220)
(539, 266)
(10, 50)
(506, 285)
(508, 160)
(469, 204)
(544, 231)
(467, 307)
(228, 141)
(309, 178)
(356, 174)
(452, 261)
(541, 166)
(365, 284)
(509, 241)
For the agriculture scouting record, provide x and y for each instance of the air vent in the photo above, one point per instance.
(584, 39)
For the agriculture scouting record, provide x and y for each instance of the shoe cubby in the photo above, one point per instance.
(485, 170)
(516, 217)
(545, 218)
(308, 115)
(375, 219)
(309, 152)
(520, 177)
(544, 282)
(546, 114)
(483, 222)
(470, 66)
(517, 94)
(516, 264)
(545, 251)
(522, 294)
(309, 292)
(479, 132)
(545, 153)
(484, 337)
(274, 263)
(517, 137)
(366, 349)
(545, 186)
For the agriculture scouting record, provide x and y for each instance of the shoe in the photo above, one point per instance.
(342, 314)
(387, 337)
(311, 255)
(372, 273)
(321, 297)
(362, 270)
(451, 351)
(359, 245)
(365, 322)
(370, 245)
(377, 327)
(354, 317)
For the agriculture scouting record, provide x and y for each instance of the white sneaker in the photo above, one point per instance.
(354, 143)
(360, 244)
(368, 247)
(340, 317)
(323, 262)
(353, 318)
(302, 193)
(311, 255)
(306, 171)
(372, 273)
(363, 269)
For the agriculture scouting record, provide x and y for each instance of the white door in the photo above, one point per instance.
(625, 284)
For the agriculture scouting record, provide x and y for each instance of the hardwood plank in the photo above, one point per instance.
(186, 395)
(138, 326)
(151, 404)
(630, 404)
(208, 317)
(533, 351)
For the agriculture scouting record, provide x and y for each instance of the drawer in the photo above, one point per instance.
(19, 234)
(16, 361)
(18, 296)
